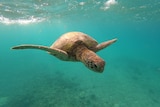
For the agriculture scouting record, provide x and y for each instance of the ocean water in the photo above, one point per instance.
(33, 78)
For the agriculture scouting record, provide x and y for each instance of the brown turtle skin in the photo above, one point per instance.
(75, 46)
(90, 59)
(80, 47)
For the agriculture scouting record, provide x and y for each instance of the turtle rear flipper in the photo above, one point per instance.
(62, 55)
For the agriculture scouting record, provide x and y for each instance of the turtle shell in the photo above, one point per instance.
(72, 39)
(68, 40)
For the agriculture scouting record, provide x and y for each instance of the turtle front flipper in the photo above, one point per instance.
(62, 55)
(104, 44)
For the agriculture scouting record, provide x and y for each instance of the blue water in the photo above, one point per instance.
(33, 78)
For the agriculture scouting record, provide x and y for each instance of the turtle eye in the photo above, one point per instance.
(95, 65)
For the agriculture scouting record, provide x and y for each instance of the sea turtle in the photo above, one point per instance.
(75, 46)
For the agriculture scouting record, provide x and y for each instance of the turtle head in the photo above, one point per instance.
(95, 64)
(90, 59)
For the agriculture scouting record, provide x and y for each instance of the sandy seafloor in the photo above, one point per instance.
(33, 78)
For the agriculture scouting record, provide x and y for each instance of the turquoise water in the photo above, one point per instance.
(33, 78)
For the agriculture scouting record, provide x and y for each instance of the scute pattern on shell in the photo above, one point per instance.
(68, 40)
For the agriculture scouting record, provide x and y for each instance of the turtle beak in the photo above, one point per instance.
(99, 67)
